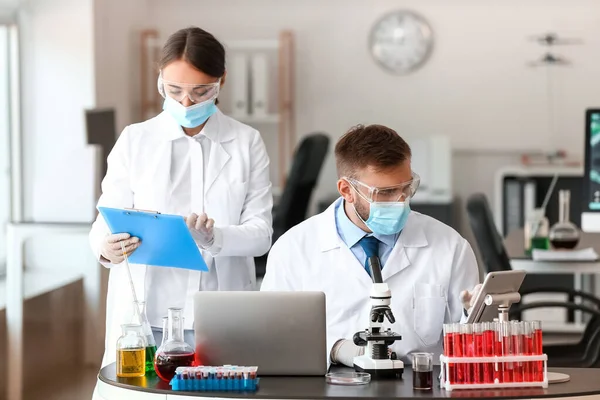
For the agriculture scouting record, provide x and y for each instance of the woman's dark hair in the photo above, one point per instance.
(196, 46)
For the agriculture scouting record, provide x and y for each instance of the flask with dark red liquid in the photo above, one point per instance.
(564, 234)
(173, 352)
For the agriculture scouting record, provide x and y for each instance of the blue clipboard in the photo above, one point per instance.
(166, 240)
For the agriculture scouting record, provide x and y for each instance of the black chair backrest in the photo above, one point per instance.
(301, 181)
(488, 239)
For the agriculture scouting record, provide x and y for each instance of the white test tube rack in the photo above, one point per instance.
(496, 361)
(503, 301)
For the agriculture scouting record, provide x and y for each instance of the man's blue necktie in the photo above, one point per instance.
(370, 245)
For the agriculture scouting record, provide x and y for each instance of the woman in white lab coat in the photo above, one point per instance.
(193, 161)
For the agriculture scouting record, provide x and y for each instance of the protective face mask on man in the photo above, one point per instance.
(385, 218)
(192, 116)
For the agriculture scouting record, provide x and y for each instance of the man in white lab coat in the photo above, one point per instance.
(430, 269)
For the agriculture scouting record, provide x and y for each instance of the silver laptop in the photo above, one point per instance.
(283, 333)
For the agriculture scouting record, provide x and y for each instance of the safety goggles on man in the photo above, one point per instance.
(397, 193)
(196, 93)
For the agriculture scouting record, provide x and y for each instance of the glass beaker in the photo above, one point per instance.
(140, 318)
(131, 352)
(536, 231)
(564, 234)
(422, 365)
(174, 352)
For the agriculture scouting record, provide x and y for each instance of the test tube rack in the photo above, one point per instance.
(496, 362)
(215, 379)
(214, 385)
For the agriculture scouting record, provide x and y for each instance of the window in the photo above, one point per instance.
(8, 124)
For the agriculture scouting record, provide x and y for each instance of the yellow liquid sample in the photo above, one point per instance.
(131, 362)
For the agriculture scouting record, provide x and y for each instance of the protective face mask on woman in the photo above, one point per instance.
(192, 116)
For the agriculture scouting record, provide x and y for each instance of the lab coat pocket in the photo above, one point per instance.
(429, 311)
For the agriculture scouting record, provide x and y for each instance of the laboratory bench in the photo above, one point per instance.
(584, 384)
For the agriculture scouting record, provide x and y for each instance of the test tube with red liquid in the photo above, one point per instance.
(508, 376)
(528, 350)
(450, 334)
(489, 345)
(459, 351)
(517, 350)
(538, 371)
(498, 351)
(478, 352)
(468, 351)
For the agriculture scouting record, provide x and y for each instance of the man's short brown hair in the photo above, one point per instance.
(372, 145)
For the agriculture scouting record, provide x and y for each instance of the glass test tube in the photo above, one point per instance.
(498, 351)
(536, 327)
(459, 352)
(528, 350)
(450, 334)
(468, 351)
(508, 373)
(489, 345)
(478, 352)
(517, 350)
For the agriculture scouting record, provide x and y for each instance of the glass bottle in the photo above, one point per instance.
(564, 234)
(174, 352)
(140, 318)
(536, 231)
(131, 352)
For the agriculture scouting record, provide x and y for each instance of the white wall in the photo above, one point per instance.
(116, 37)
(57, 86)
(476, 86)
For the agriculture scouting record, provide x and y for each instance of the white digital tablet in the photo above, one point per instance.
(495, 283)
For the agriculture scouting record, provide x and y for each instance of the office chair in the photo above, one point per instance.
(494, 257)
(300, 184)
(301, 181)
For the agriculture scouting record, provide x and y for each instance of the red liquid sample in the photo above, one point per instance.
(478, 367)
(459, 352)
(499, 367)
(166, 364)
(449, 351)
(530, 365)
(538, 374)
(517, 347)
(469, 349)
(422, 380)
(489, 341)
(508, 375)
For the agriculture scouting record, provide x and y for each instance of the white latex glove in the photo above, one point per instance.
(344, 351)
(202, 229)
(467, 298)
(111, 247)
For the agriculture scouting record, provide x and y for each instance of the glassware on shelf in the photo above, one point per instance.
(536, 231)
(131, 352)
(174, 351)
(564, 234)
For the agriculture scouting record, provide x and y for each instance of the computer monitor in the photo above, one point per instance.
(590, 217)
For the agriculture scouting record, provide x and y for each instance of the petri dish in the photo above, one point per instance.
(348, 378)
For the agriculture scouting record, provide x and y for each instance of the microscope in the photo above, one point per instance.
(378, 360)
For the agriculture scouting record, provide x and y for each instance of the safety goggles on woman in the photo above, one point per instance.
(196, 93)
(396, 193)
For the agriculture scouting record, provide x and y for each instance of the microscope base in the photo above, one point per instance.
(379, 369)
